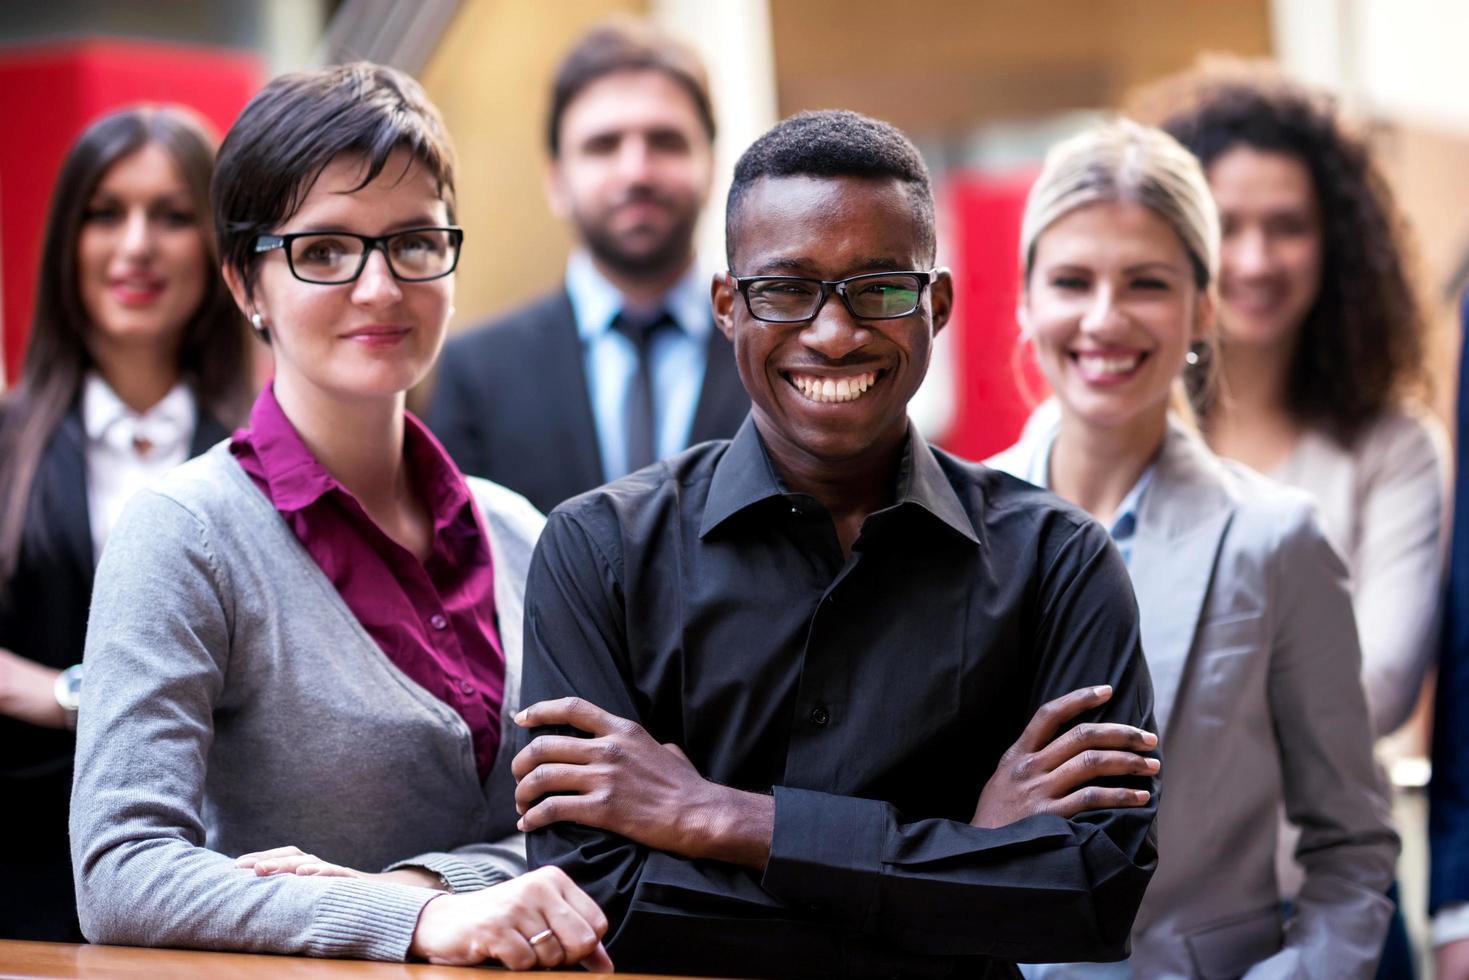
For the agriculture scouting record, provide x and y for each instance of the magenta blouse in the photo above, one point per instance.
(434, 619)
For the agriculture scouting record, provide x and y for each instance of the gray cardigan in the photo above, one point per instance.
(234, 703)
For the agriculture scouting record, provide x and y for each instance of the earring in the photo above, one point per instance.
(1191, 358)
(257, 322)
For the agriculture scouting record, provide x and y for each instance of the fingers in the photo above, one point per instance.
(291, 864)
(583, 904)
(574, 937)
(550, 779)
(583, 809)
(1093, 736)
(254, 857)
(1098, 798)
(513, 949)
(1095, 763)
(576, 712)
(598, 961)
(554, 748)
(574, 921)
(1053, 715)
(547, 946)
(327, 870)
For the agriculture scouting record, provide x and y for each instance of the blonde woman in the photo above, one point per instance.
(1246, 618)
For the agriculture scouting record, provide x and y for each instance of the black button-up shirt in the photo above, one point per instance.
(873, 696)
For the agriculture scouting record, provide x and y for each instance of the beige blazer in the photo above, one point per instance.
(1248, 631)
(1382, 503)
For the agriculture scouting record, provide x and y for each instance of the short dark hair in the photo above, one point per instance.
(625, 44)
(297, 125)
(833, 143)
(1362, 343)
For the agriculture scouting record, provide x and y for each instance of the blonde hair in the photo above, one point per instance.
(1127, 161)
(1124, 160)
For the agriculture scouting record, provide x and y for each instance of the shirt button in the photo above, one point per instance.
(820, 716)
(466, 687)
(437, 621)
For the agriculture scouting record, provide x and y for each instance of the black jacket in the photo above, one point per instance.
(43, 617)
(511, 402)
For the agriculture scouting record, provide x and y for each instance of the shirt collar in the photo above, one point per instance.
(745, 476)
(1124, 522)
(165, 424)
(595, 301)
(297, 479)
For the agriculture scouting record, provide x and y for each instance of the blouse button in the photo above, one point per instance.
(466, 687)
(438, 621)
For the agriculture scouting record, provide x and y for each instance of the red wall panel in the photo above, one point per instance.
(48, 95)
(996, 382)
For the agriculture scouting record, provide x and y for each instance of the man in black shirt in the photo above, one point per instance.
(808, 657)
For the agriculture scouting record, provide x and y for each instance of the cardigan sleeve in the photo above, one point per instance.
(474, 866)
(158, 647)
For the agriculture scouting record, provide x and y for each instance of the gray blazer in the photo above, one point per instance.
(1248, 631)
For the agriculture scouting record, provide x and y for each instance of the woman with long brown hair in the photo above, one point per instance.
(1321, 363)
(137, 360)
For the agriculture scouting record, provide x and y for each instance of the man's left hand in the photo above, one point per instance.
(623, 781)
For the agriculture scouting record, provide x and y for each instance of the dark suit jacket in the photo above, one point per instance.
(511, 403)
(43, 617)
(1448, 793)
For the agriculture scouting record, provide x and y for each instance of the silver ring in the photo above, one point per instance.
(540, 937)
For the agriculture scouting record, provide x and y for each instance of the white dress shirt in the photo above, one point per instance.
(678, 359)
(127, 451)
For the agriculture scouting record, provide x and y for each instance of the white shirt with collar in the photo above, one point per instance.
(611, 360)
(126, 451)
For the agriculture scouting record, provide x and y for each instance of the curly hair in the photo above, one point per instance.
(1361, 345)
(833, 143)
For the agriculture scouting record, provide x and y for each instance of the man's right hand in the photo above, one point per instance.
(498, 923)
(1042, 773)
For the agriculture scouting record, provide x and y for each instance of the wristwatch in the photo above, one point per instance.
(68, 692)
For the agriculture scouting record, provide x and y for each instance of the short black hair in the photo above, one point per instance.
(625, 44)
(297, 125)
(833, 143)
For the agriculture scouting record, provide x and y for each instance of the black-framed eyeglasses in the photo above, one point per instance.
(330, 258)
(875, 296)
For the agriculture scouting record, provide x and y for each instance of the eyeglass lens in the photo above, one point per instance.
(880, 297)
(329, 258)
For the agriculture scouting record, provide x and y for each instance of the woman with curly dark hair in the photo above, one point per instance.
(1321, 351)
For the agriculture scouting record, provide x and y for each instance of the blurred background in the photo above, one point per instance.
(983, 87)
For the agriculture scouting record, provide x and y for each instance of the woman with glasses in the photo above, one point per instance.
(1246, 619)
(137, 360)
(310, 637)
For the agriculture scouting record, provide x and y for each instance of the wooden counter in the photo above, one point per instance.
(30, 960)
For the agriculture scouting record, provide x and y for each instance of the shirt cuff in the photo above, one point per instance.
(367, 920)
(460, 875)
(1451, 923)
(826, 853)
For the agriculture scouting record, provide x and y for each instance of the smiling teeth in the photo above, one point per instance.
(1109, 364)
(833, 389)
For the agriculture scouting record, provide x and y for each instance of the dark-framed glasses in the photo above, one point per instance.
(330, 258)
(875, 296)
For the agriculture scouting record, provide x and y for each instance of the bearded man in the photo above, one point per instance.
(622, 366)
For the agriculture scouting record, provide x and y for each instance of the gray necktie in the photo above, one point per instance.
(637, 412)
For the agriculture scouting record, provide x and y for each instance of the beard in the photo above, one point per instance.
(636, 254)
